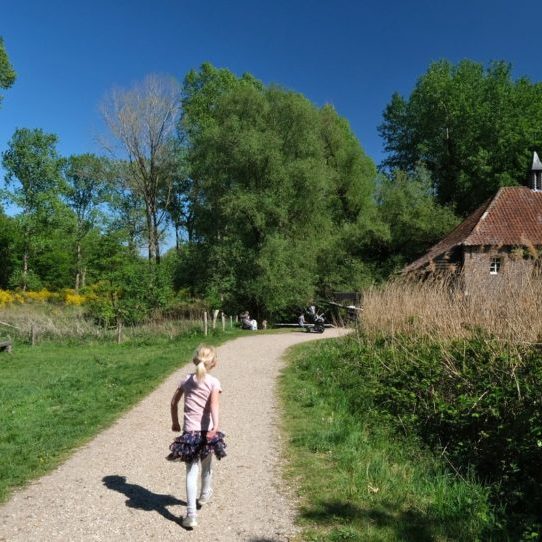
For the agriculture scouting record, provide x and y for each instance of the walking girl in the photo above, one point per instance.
(200, 437)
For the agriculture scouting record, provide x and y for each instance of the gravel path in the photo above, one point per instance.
(120, 487)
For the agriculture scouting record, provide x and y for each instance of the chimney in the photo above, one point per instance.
(535, 175)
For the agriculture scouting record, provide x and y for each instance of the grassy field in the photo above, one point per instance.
(358, 480)
(56, 396)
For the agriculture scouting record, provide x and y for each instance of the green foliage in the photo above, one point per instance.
(130, 293)
(358, 478)
(9, 239)
(475, 402)
(7, 74)
(277, 185)
(86, 186)
(33, 165)
(473, 128)
(408, 207)
(32, 169)
(203, 89)
(86, 177)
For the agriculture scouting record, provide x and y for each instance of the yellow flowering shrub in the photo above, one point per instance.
(6, 298)
(41, 296)
(67, 297)
(73, 298)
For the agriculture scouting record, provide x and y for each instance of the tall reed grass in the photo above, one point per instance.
(462, 370)
(441, 309)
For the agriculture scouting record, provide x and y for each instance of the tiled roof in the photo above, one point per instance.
(512, 217)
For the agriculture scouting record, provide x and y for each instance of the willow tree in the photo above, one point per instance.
(143, 121)
(275, 182)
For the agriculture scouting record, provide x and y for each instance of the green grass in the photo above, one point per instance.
(54, 397)
(357, 479)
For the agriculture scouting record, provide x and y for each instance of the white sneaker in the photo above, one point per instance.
(190, 522)
(206, 499)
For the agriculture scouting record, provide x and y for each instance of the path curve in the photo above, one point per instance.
(120, 487)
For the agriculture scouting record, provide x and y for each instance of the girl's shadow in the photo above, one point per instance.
(141, 498)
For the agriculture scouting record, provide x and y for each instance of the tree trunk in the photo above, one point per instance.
(78, 267)
(26, 256)
(25, 269)
(177, 238)
(156, 237)
(150, 235)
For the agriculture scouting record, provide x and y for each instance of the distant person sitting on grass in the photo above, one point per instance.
(247, 322)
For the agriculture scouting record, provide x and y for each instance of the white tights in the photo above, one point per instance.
(192, 475)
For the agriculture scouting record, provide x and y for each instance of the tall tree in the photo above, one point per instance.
(7, 73)
(32, 178)
(473, 128)
(86, 179)
(126, 216)
(143, 121)
(274, 177)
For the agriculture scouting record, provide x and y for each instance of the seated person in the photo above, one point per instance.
(246, 321)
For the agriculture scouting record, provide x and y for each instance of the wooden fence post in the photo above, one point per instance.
(32, 335)
(119, 331)
(223, 321)
(215, 316)
(231, 322)
(205, 324)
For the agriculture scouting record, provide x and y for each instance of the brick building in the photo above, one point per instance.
(498, 242)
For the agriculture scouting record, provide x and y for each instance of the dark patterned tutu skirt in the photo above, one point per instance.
(193, 445)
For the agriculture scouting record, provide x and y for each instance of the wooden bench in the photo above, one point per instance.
(5, 344)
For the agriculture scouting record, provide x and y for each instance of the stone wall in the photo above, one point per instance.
(515, 268)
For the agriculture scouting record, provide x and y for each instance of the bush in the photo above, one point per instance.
(476, 401)
(129, 295)
(358, 478)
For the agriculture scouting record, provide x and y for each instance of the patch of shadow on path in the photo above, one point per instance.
(141, 498)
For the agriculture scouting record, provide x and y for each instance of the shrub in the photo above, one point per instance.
(463, 373)
(129, 295)
(6, 298)
(40, 296)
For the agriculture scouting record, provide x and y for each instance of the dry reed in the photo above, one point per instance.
(442, 309)
(69, 322)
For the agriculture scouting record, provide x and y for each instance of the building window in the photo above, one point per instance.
(495, 266)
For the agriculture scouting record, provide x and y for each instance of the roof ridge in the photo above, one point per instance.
(490, 204)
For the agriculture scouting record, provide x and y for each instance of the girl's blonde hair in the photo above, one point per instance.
(204, 359)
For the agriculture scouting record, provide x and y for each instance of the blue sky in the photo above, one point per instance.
(68, 54)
